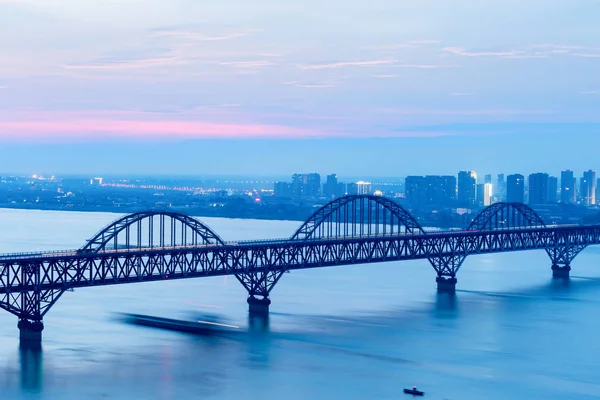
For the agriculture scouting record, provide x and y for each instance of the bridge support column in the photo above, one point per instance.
(446, 284)
(259, 307)
(559, 272)
(30, 333)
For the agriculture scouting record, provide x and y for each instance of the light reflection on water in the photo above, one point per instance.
(354, 332)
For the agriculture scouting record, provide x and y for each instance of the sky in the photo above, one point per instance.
(380, 88)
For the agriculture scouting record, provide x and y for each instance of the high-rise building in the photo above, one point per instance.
(484, 194)
(487, 178)
(306, 185)
(430, 190)
(332, 188)
(351, 188)
(363, 187)
(568, 185)
(415, 190)
(282, 189)
(598, 191)
(538, 188)
(467, 181)
(552, 190)
(515, 188)
(588, 188)
(500, 189)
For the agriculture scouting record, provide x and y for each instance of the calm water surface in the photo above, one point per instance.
(358, 332)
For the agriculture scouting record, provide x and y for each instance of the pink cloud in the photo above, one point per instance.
(80, 125)
(138, 125)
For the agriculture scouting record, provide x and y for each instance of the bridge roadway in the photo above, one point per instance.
(155, 246)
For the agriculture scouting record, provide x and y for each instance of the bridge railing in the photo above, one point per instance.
(8, 256)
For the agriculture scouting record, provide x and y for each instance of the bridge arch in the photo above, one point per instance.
(506, 216)
(358, 215)
(497, 216)
(152, 229)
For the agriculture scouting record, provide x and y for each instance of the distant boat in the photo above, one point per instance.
(414, 391)
(199, 327)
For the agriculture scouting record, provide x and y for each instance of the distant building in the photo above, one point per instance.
(538, 188)
(332, 188)
(515, 188)
(96, 181)
(351, 189)
(588, 188)
(484, 194)
(500, 188)
(467, 181)
(306, 185)
(598, 191)
(487, 178)
(430, 190)
(552, 190)
(568, 187)
(282, 189)
(363, 187)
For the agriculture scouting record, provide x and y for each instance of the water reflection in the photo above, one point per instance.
(31, 361)
(258, 324)
(446, 305)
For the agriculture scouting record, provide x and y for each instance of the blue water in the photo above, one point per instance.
(358, 332)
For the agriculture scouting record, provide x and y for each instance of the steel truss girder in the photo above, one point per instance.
(259, 283)
(565, 248)
(447, 266)
(31, 304)
(30, 286)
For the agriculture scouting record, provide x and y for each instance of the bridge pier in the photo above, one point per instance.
(30, 333)
(259, 307)
(559, 272)
(446, 284)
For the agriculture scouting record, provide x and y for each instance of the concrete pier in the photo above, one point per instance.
(446, 285)
(30, 333)
(259, 306)
(559, 272)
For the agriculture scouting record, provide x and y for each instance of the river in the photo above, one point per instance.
(352, 332)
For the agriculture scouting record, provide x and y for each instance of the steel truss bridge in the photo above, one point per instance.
(160, 245)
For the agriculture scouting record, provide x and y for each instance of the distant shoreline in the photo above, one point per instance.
(183, 210)
(130, 210)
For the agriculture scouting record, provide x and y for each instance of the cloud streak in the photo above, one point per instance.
(130, 64)
(587, 55)
(459, 51)
(193, 35)
(313, 85)
(347, 64)
(121, 125)
(424, 66)
(246, 64)
(545, 50)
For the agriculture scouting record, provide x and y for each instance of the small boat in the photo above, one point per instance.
(414, 391)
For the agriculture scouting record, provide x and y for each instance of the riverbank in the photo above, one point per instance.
(299, 214)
